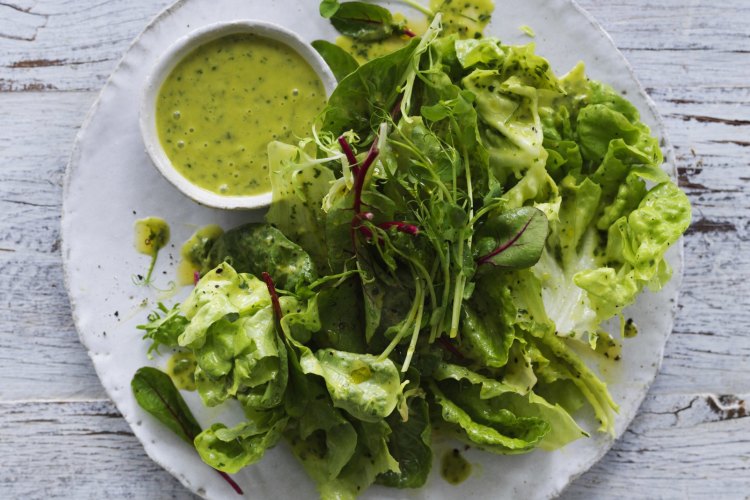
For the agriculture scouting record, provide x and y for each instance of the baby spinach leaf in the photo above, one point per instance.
(364, 97)
(328, 8)
(514, 239)
(342, 326)
(363, 21)
(254, 248)
(339, 60)
(156, 393)
(409, 443)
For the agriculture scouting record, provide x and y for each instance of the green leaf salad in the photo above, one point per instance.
(439, 257)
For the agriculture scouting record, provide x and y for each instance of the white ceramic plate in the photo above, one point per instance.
(111, 183)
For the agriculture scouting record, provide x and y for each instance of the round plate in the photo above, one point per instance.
(111, 183)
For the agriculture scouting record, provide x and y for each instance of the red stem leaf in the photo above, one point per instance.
(487, 258)
(274, 296)
(235, 486)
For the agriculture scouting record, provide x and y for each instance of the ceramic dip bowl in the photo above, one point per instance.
(164, 67)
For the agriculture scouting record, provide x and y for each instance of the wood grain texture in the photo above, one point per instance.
(690, 438)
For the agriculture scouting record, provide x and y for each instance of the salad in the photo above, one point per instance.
(440, 257)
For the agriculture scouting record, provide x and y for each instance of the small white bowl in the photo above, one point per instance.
(167, 63)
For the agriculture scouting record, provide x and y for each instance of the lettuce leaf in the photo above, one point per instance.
(232, 334)
(500, 417)
(361, 384)
(230, 450)
(409, 444)
(299, 183)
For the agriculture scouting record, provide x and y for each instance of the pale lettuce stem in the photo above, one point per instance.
(469, 189)
(407, 322)
(339, 278)
(458, 291)
(458, 294)
(147, 280)
(443, 262)
(434, 325)
(414, 337)
(446, 289)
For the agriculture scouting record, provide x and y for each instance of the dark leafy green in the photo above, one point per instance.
(513, 239)
(410, 444)
(363, 21)
(328, 8)
(339, 60)
(254, 248)
(364, 98)
(156, 393)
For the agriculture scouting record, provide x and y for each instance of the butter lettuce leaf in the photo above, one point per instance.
(231, 449)
(361, 384)
(232, 334)
(520, 419)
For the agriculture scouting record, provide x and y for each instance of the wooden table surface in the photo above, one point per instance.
(60, 436)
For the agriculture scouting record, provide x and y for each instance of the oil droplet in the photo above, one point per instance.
(454, 467)
(630, 329)
(194, 252)
(181, 367)
(151, 234)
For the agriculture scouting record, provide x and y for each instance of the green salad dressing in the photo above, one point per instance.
(225, 101)
(454, 468)
(194, 252)
(364, 51)
(151, 235)
(467, 18)
(608, 347)
(181, 368)
(630, 330)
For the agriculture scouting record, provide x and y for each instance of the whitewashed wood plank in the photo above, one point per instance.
(88, 451)
(75, 46)
(709, 349)
(82, 450)
(40, 355)
(669, 43)
(38, 130)
(679, 446)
